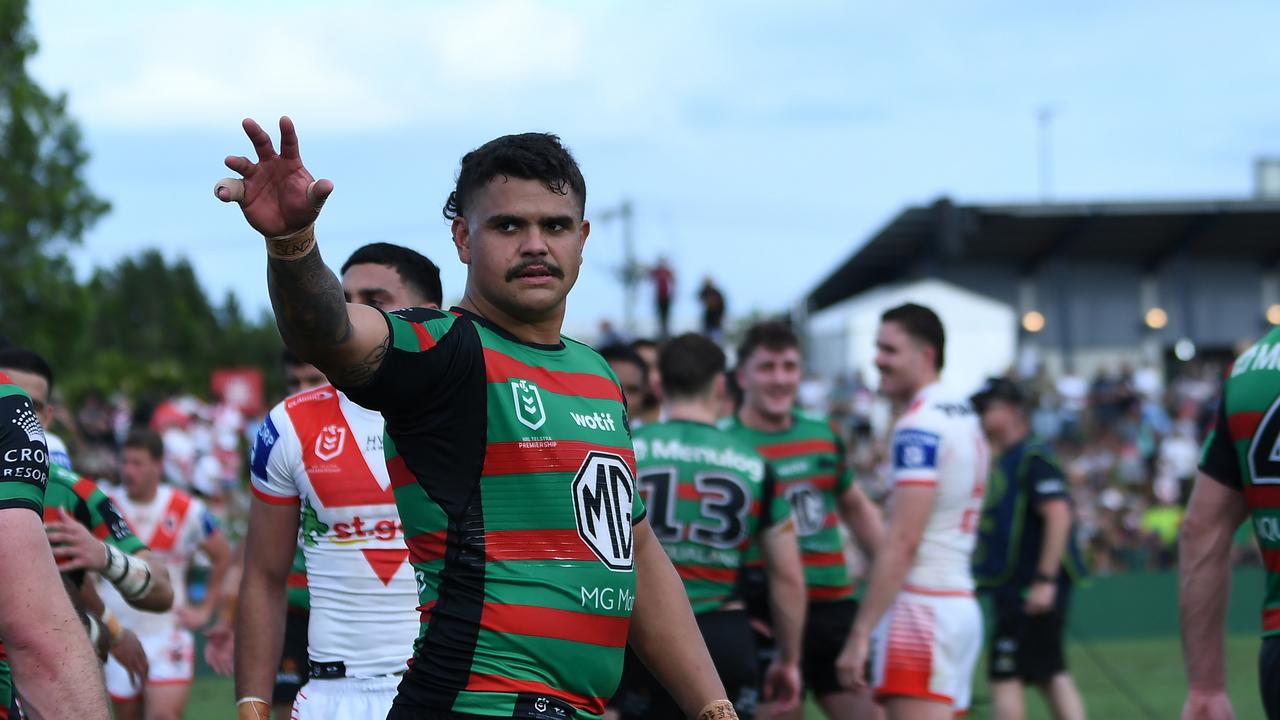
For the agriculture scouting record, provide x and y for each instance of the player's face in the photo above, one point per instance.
(380, 286)
(902, 361)
(523, 245)
(140, 472)
(633, 384)
(650, 355)
(38, 388)
(997, 418)
(770, 380)
(302, 377)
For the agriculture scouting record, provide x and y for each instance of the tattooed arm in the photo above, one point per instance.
(281, 200)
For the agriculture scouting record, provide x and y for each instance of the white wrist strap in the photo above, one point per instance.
(130, 575)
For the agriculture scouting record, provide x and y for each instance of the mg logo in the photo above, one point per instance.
(602, 495)
(330, 441)
(529, 410)
(807, 508)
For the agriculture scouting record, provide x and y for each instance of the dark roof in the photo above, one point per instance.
(1145, 233)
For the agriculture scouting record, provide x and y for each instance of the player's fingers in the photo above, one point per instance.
(229, 190)
(288, 139)
(318, 192)
(260, 139)
(240, 164)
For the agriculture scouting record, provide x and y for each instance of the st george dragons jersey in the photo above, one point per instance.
(322, 453)
(938, 442)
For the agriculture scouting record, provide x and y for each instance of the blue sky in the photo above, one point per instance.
(760, 142)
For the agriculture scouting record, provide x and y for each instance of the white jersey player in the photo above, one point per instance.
(919, 621)
(175, 526)
(318, 467)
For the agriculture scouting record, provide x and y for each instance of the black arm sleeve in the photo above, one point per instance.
(1045, 480)
(1218, 458)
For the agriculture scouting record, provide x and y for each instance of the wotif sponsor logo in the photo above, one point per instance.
(595, 421)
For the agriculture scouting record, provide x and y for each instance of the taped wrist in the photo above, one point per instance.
(292, 246)
(130, 575)
(94, 627)
(718, 710)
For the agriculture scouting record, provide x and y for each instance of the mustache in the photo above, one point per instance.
(516, 270)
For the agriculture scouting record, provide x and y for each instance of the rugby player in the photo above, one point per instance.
(712, 497)
(45, 647)
(175, 526)
(814, 476)
(919, 602)
(507, 444)
(321, 455)
(633, 375)
(1239, 478)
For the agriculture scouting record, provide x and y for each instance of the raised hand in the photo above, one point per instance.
(277, 194)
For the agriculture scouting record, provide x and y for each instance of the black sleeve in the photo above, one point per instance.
(769, 500)
(1218, 457)
(425, 350)
(1045, 480)
(24, 458)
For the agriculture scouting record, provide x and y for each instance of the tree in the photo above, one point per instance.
(45, 204)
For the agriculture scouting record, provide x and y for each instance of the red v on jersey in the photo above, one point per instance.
(165, 535)
(386, 562)
(331, 453)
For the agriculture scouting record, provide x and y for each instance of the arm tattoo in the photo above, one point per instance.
(311, 313)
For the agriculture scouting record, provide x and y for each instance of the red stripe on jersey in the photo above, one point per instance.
(685, 491)
(427, 546)
(1243, 424)
(165, 535)
(399, 472)
(501, 368)
(918, 482)
(274, 499)
(516, 458)
(822, 559)
(480, 682)
(424, 611)
(558, 624)
(1270, 619)
(1271, 560)
(296, 580)
(1262, 496)
(425, 341)
(4, 380)
(830, 593)
(799, 447)
(516, 545)
(84, 488)
(710, 574)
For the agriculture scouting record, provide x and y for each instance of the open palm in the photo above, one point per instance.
(277, 194)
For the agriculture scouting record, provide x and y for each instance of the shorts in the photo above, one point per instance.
(171, 657)
(826, 629)
(729, 641)
(926, 647)
(346, 698)
(293, 669)
(1027, 647)
(1269, 676)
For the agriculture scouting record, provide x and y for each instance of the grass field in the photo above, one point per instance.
(1150, 669)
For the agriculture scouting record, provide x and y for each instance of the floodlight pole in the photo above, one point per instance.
(631, 267)
(1044, 121)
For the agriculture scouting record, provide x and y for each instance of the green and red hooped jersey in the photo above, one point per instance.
(24, 457)
(514, 476)
(87, 504)
(1243, 452)
(809, 461)
(709, 495)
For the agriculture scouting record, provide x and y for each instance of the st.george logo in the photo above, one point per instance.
(330, 442)
(603, 492)
(529, 409)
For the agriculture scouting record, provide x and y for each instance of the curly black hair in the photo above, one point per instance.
(528, 156)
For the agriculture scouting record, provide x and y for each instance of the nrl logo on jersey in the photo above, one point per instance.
(529, 409)
(330, 442)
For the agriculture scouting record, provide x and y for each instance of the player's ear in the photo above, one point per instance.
(582, 238)
(462, 239)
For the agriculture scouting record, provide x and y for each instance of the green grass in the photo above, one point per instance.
(1151, 668)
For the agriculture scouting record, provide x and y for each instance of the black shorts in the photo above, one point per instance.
(1269, 676)
(826, 628)
(292, 672)
(1027, 647)
(641, 697)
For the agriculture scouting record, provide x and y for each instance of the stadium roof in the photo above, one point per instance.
(1144, 234)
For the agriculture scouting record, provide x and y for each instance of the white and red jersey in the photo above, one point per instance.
(939, 442)
(173, 525)
(319, 450)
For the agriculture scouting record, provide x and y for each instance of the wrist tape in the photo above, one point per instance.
(292, 246)
(718, 710)
(130, 575)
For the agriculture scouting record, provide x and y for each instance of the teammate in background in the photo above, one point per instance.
(651, 405)
(919, 602)
(1026, 558)
(712, 496)
(175, 526)
(27, 361)
(322, 455)
(48, 652)
(477, 401)
(633, 375)
(1239, 478)
(814, 476)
